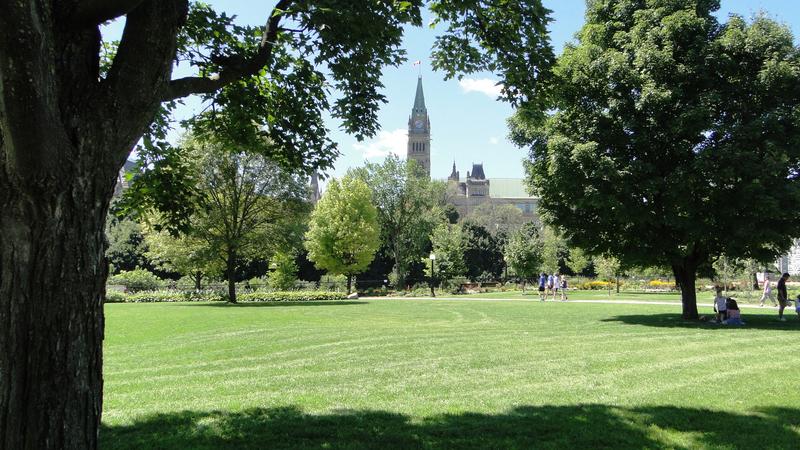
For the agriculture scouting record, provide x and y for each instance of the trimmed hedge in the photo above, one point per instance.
(211, 296)
(291, 296)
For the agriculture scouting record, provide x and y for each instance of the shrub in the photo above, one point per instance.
(304, 285)
(658, 284)
(594, 285)
(291, 296)
(333, 282)
(174, 296)
(115, 297)
(285, 273)
(137, 280)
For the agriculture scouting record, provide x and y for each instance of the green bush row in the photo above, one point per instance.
(291, 296)
(163, 296)
(212, 296)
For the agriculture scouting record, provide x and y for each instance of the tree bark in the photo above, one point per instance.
(686, 277)
(52, 286)
(230, 273)
(198, 276)
(349, 283)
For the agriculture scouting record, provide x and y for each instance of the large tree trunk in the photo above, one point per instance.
(198, 277)
(65, 131)
(686, 276)
(52, 286)
(349, 283)
(230, 273)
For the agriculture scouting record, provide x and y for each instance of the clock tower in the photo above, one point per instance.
(419, 132)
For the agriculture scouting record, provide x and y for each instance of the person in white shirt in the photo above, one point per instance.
(721, 305)
(767, 294)
(556, 285)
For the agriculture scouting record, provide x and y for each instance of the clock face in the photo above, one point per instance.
(418, 123)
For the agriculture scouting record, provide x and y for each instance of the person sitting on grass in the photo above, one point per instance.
(783, 296)
(733, 313)
(720, 305)
(797, 306)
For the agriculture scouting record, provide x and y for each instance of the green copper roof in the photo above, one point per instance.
(419, 99)
(508, 188)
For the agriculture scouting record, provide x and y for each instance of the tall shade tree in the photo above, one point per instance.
(248, 206)
(523, 253)
(483, 253)
(409, 207)
(72, 108)
(673, 139)
(447, 242)
(343, 233)
(187, 254)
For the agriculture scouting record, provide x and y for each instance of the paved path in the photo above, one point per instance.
(620, 302)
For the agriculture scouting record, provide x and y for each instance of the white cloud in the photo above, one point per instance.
(494, 140)
(482, 85)
(386, 142)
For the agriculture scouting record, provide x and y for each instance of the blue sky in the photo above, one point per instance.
(467, 124)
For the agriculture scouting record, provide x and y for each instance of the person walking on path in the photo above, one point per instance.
(563, 288)
(549, 286)
(542, 283)
(767, 294)
(783, 296)
(556, 285)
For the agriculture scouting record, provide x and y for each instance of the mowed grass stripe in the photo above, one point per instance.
(422, 359)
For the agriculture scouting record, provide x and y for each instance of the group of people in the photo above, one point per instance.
(783, 296)
(728, 310)
(552, 284)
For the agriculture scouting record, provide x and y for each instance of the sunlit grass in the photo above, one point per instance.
(441, 373)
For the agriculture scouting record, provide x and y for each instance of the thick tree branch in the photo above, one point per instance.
(142, 68)
(183, 87)
(95, 12)
(34, 141)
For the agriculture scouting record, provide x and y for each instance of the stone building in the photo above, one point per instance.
(474, 189)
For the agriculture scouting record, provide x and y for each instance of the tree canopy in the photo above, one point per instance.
(523, 253)
(409, 207)
(673, 138)
(72, 107)
(343, 233)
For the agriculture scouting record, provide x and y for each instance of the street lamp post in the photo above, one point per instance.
(433, 273)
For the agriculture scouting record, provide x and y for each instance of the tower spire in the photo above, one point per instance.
(419, 132)
(419, 99)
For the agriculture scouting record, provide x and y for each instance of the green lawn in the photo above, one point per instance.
(445, 374)
(532, 294)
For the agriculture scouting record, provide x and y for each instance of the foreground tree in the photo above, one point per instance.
(187, 254)
(409, 207)
(483, 253)
(343, 233)
(248, 207)
(674, 138)
(523, 253)
(69, 118)
(447, 244)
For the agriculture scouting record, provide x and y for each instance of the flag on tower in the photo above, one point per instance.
(416, 63)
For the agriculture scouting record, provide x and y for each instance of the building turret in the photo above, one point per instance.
(419, 132)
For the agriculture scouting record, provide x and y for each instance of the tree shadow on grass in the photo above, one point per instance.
(272, 304)
(752, 321)
(580, 426)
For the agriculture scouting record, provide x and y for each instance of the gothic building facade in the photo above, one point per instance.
(473, 190)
